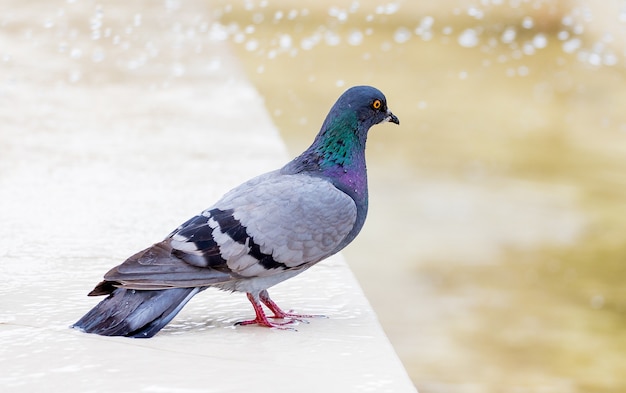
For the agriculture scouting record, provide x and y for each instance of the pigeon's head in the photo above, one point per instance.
(365, 104)
(341, 140)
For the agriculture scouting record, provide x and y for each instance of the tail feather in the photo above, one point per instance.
(135, 313)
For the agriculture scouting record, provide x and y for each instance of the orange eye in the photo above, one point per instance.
(377, 104)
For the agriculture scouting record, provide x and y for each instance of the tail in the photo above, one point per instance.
(135, 313)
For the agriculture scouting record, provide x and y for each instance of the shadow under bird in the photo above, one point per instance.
(266, 230)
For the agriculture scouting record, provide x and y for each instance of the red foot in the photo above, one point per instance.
(262, 320)
(278, 313)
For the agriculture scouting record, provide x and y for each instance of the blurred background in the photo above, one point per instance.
(494, 252)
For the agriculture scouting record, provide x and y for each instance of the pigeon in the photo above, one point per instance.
(265, 231)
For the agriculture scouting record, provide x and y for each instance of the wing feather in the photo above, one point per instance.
(297, 219)
(265, 226)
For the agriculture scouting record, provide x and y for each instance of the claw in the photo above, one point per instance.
(278, 313)
(265, 322)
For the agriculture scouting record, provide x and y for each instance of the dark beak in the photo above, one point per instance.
(392, 118)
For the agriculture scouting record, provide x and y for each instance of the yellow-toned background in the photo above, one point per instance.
(495, 249)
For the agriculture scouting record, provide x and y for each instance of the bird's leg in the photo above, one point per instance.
(261, 318)
(279, 313)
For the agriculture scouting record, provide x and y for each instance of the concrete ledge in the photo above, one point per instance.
(94, 169)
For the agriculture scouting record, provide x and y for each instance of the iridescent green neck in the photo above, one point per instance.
(339, 143)
(338, 155)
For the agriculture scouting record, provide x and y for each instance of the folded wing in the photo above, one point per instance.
(264, 227)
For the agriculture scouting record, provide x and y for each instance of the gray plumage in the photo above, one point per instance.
(263, 232)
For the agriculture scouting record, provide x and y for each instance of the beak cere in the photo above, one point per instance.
(392, 118)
